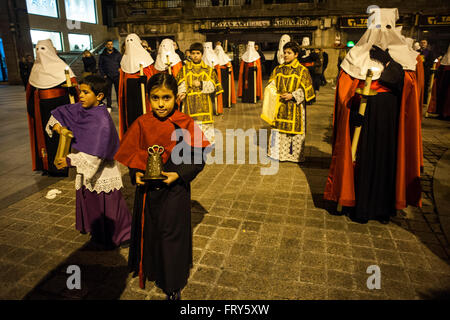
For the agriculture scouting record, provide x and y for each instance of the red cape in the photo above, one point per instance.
(340, 182)
(148, 130)
(149, 71)
(219, 107)
(35, 128)
(258, 77)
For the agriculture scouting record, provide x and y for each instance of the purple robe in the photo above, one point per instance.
(93, 129)
(104, 214)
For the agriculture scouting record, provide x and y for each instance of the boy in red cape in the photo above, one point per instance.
(161, 236)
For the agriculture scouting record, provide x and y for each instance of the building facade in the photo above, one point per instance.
(329, 24)
(72, 25)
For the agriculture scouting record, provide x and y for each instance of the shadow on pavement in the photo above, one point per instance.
(103, 276)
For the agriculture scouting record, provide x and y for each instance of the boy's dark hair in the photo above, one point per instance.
(96, 83)
(197, 46)
(294, 46)
(163, 80)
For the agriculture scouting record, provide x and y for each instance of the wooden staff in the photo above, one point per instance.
(141, 73)
(69, 84)
(430, 87)
(254, 82)
(168, 64)
(366, 92)
(229, 85)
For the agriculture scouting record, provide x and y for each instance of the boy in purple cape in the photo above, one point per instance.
(100, 206)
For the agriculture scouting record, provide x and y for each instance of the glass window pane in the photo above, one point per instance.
(79, 42)
(37, 35)
(81, 10)
(47, 8)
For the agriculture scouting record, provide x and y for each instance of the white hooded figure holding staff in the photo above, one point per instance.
(136, 67)
(226, 77)
(167, 59)
(47, 89)
(384, 175)
(250, 75)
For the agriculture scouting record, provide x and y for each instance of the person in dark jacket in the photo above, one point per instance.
(263, 59)
(109, 66)
(324, 66)
(90, 64)
(25, 66)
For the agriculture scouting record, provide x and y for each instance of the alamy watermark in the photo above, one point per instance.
(235, 153)
(374, 281)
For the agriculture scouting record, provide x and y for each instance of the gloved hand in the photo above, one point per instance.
(73, 91)
(356, 119)
(142, 79)
(376, 53)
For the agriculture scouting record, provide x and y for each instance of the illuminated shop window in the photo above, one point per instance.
(81, 10)
(37, 35)
(47, 8)
(80, 42)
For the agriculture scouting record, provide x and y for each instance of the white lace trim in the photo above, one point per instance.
(208, 87)
(51, 122)
(96, 174)
(298, 95)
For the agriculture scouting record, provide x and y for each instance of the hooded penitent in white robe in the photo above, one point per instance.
(48, 69)
(166, 49)
(134, 55)
(358, 61)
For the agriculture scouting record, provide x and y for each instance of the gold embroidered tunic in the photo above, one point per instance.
(288, 78)
(287, 118)
(198, 103)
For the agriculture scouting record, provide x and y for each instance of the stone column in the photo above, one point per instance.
(15, 32)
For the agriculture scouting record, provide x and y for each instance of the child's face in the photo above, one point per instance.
(162, 100)
(289, 55)
(88, 98)
(196, 56)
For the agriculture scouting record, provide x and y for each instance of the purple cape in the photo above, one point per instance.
(93, 129)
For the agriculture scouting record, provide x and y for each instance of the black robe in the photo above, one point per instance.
(375, 186)
(167, 234)
(167, 248)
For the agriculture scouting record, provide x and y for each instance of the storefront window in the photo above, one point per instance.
(55, 37)
(80, 42)
(47, 8)
(81, 10)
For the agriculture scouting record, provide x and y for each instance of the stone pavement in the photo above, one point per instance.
(254, 236)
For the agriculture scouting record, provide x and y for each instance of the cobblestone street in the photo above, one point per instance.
(254, 236)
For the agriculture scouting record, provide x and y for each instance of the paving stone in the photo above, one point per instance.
(265, 237)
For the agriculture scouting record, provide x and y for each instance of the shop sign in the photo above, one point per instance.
(436, 20)
(360, 22)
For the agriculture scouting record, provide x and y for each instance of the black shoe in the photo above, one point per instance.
(176, 295)
(125, 244)
(384, 221)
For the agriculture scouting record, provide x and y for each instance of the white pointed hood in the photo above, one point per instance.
(280, 53)
(48, 69)
(221, 55)
(166, 48)
(446, 58)
(209, 57)
(357, 61)
(134, 55)
(250, 55)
